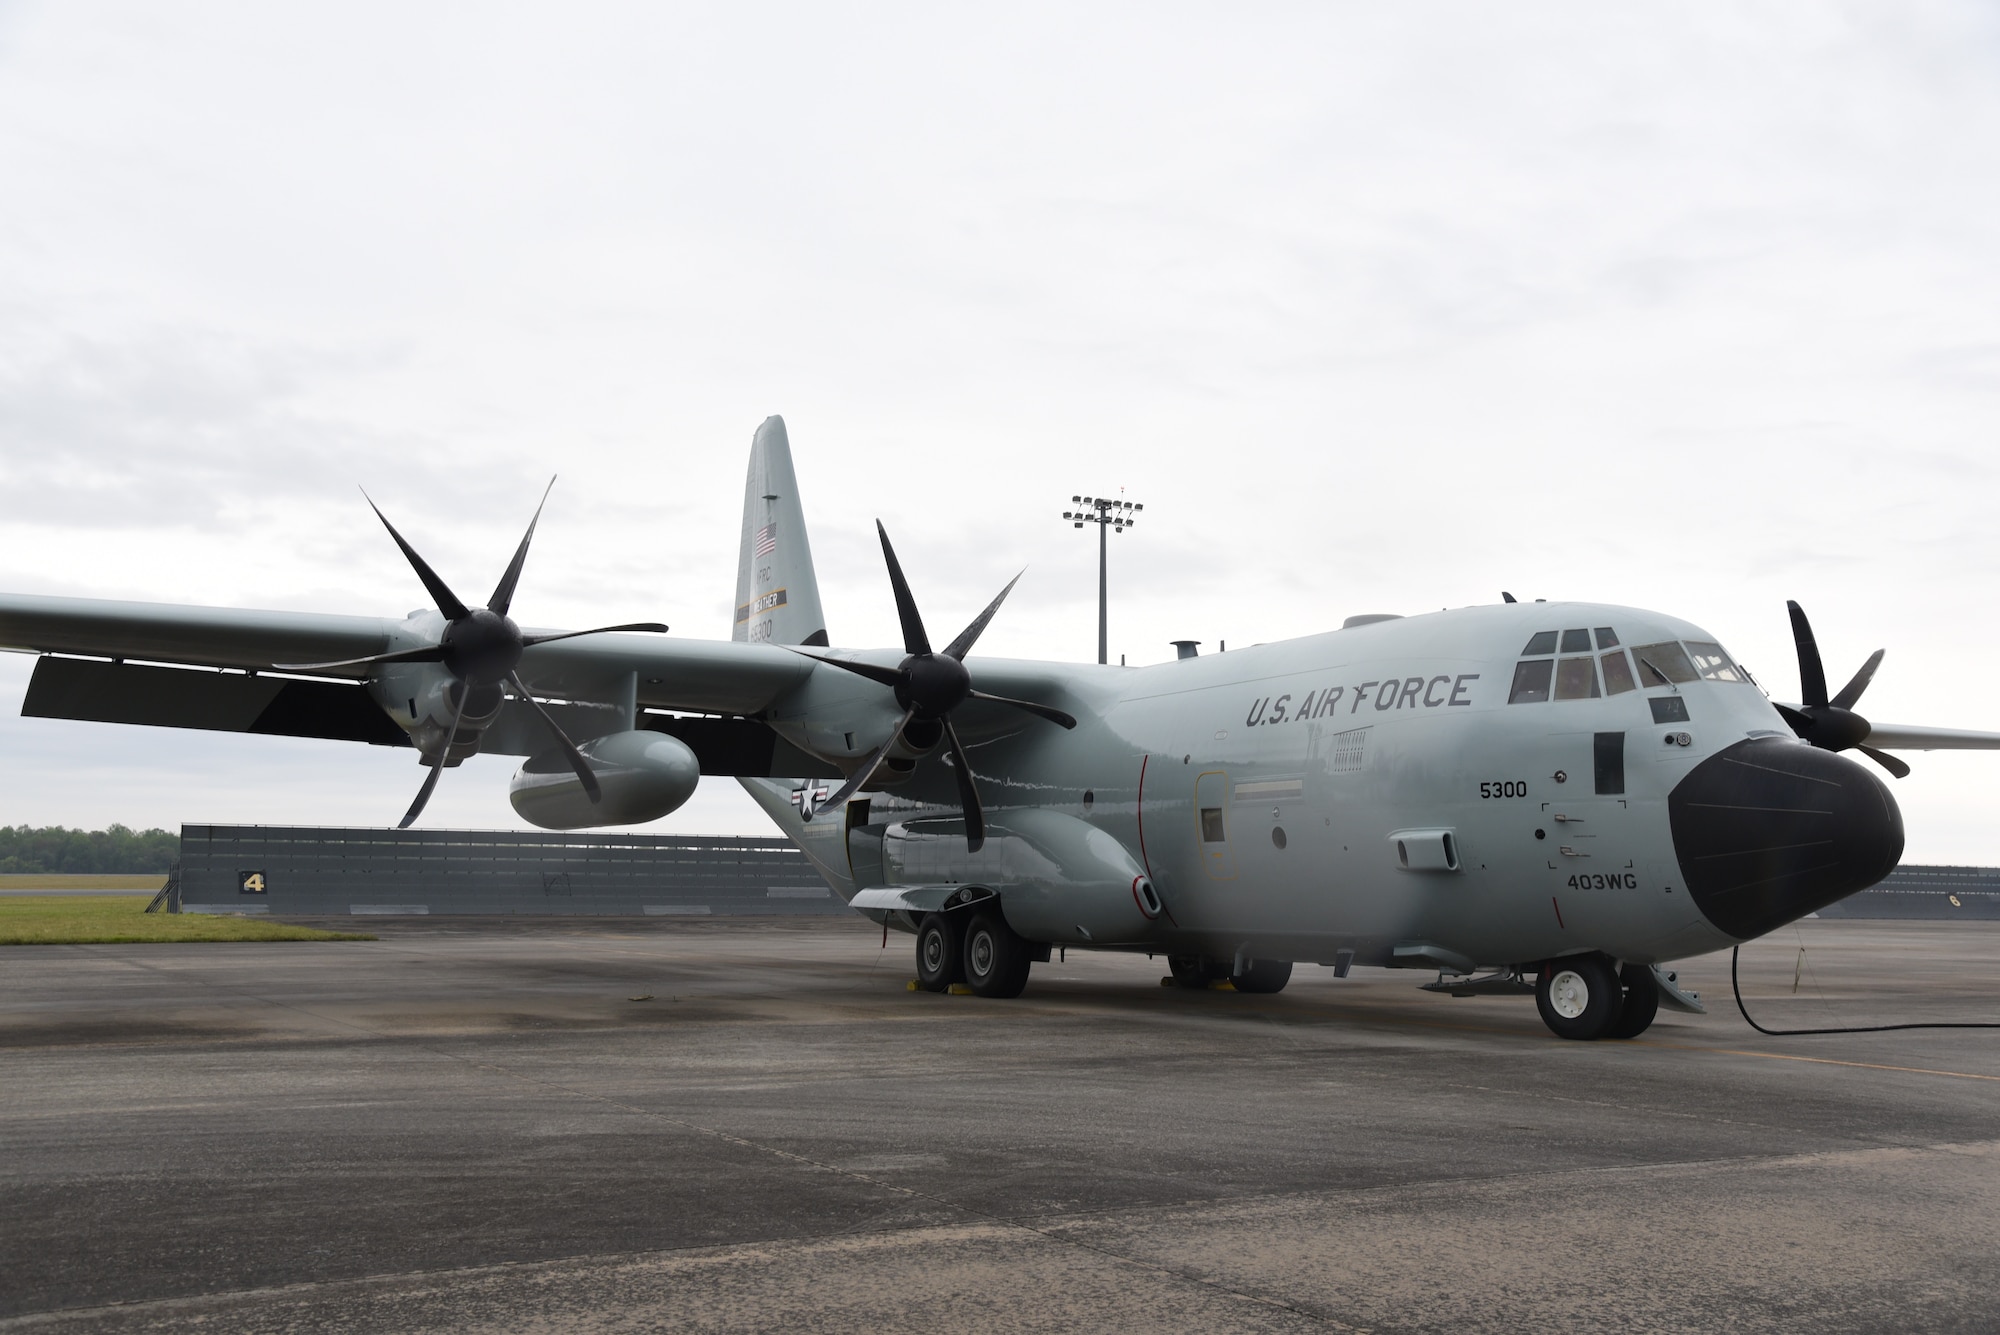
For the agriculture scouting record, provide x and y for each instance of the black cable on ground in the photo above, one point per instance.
(1856, 1029)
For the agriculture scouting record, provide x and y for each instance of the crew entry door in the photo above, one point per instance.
(1211, 824)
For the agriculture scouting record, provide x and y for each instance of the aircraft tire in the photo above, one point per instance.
(1579, 996)
(940, 953)
(1193, 970)
(1263, 977)
(1641, 1003)
(996, 959)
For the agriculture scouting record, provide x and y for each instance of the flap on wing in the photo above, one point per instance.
(82, 688)
(740, 748)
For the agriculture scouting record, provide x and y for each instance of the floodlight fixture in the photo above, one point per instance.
(1110, 516)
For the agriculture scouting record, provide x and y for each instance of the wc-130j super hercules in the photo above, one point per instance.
(1566, 792)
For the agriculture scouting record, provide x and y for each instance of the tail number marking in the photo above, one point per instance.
(1504, 788)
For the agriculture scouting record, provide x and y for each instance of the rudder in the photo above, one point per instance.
(777, 593)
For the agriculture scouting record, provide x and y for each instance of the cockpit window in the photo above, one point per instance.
(1663, 663)
(1544, 643)
(1607, 638)
(1576, 642)
(1618, 674)
(1576, 678)
(1712, 663)
(1531, 679)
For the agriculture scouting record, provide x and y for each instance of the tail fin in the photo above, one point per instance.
(777, 594)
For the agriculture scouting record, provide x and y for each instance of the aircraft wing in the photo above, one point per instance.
(1903, 737)
(166, 633)
(174, 682)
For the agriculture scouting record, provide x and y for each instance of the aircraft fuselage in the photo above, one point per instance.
(1484, 786)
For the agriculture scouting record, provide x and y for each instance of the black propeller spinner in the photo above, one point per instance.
(929, 686)
(1832, 725)
(481, 647)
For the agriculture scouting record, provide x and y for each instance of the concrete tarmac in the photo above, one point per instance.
(478, 1125)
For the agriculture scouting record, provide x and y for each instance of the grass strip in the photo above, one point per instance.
(57, 880)
(73, 920)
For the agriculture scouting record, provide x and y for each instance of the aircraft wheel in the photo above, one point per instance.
(940, 953)
(1263, 977)
(1579, 996)
(996, 959)
(1641, 1004)
(1193, 970)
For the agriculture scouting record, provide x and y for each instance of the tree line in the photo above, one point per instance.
(114, 851)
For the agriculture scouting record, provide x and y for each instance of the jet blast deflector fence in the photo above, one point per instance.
(312, 871)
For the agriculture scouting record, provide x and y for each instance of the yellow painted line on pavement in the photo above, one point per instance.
(1820, 1061)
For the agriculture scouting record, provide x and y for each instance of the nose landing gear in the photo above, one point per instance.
(1587, 997)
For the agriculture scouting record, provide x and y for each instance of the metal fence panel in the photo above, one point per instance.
(324, 870)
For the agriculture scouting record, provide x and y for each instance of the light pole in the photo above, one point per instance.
(1110, 517)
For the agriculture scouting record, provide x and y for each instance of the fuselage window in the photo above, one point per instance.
(1607, 638)
(1531, 679)
(1576, 642)
(1211, 825)
(1712, 663)
(1544, 643)
(1576, 679)
(1662, 663)
(1618, 674)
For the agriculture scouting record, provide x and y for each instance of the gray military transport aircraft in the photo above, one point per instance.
(1571, 793)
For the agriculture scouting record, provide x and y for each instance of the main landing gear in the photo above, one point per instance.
(1259, 976)
(1588, 996)
(974, 947)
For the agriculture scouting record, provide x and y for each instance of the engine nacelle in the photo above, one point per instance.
(644, 775)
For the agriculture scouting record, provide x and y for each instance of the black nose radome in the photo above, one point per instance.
(1771, 829)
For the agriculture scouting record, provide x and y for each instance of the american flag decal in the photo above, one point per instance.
(767, 540)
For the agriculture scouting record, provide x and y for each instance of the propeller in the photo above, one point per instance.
(929, 686)
(1832, 725)
(481, 647)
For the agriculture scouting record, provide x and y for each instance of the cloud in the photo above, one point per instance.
(1375, 310)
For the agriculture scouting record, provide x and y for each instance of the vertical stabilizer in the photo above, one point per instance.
(777, 594)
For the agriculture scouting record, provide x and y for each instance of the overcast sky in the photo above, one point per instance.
(1375, 307)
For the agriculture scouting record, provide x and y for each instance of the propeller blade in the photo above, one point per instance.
(503, 592)
(440, 592)
(886, 676)
(430, 653)
(1851, 692)
(437, 765)
(1055, 716)
(968, 793)
(867, 770)
(962, 646)
(915, 641)
(576, 758)
(1886, 761)
(651, 627)
(1812, 674)
(1800, 723)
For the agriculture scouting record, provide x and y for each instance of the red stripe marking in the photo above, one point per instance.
(1141, 811)
(1559, 913)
